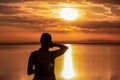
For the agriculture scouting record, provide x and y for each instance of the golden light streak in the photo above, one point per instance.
(68, 71)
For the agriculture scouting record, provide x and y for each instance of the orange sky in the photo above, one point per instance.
(25, 21)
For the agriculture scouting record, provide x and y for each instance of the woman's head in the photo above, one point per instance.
(46, 40)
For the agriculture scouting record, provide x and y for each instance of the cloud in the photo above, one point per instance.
(37, 24)
(9, 10)
(42, 15)
(97, 26)
(27, 23)
(116, 2)
(13, 1)
(18, 1)
(115, 9)
(50, 9)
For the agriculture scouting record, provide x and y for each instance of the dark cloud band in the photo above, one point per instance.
(105, 1)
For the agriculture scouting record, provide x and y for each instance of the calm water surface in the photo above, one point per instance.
(80, 62)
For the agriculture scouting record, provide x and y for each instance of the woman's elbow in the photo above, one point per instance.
(29, 73)
(65, 48)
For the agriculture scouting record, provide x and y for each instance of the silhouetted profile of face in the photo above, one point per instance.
(46, 40)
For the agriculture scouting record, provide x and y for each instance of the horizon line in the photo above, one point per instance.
(22, 43)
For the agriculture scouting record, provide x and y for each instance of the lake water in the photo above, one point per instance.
(80, 62)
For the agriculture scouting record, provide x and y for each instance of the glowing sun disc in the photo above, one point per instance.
(69, 13)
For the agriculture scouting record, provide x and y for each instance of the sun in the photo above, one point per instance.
(69, 13)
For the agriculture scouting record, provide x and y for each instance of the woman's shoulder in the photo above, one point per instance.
(35, 52)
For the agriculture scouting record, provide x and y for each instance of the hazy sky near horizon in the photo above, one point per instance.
(25, 20)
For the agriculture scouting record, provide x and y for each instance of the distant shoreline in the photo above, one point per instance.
(59, 42)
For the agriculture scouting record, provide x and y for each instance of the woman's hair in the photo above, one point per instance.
(46, 39)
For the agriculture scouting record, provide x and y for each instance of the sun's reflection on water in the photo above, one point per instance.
(68, 70)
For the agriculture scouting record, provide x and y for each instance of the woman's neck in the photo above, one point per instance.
(44, 48)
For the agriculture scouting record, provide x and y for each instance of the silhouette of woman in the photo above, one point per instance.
(42, 61)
